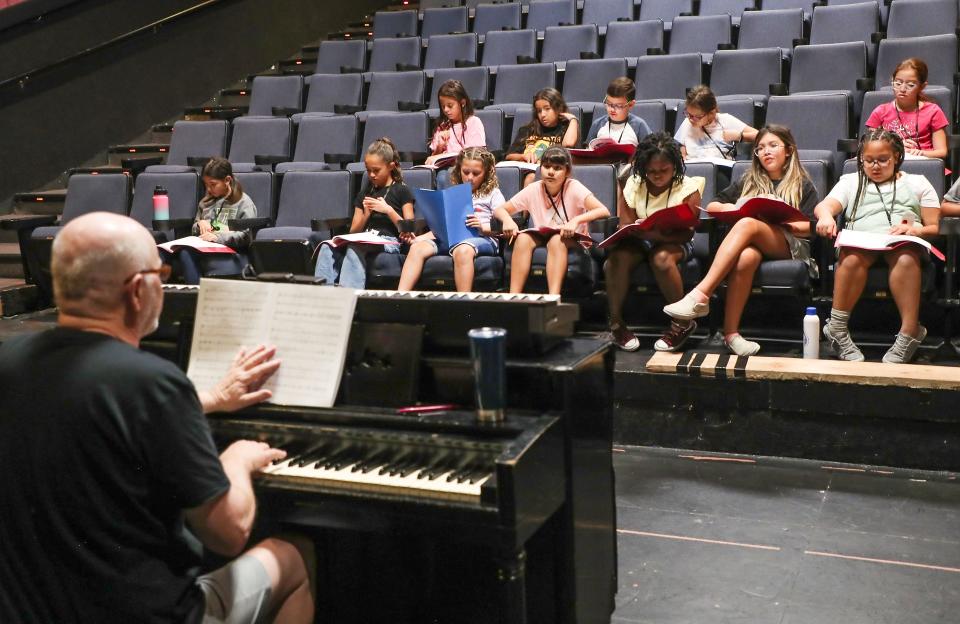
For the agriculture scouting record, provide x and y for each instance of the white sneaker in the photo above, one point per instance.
(687, 308)
(739, 345)
(842, 344)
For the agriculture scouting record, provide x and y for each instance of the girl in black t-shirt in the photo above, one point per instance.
(381, 204)
(552, 124)
(775, 172)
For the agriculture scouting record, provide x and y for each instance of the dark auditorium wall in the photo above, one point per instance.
(65, 117)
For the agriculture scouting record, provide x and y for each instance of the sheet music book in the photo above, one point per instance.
(716, 160)
(309, 324)
(605, 147)
(446, 213)
(196, 243)
(370, 237)
(584, 240)
(679, 217)
(764, 208)
(441, 161)
(882, 242)
(519, 164)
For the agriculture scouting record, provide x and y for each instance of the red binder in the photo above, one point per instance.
(770, 210)
(679, 217)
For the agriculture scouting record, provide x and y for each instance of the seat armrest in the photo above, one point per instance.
(346, 109)
(318, 225)
(410, 106)
(465, 63)
(198, 161)
(403, 67)
(270, 159)
(17, 222)
(137, 165)
(848, 146)
(778, 88)
(339, 159)
(949, 226)
(523, 59)
(180, 227)
(284, 111)
(253, 224)
(414, 156)
(346, 69)
(865, 84)
(605, 226)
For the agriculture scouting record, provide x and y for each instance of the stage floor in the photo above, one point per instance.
(750, 539)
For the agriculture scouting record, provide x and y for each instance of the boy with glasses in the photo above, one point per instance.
(619, 123)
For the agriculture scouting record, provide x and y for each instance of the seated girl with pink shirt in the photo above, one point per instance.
(914, 118)
(458, 127)
(556, 200)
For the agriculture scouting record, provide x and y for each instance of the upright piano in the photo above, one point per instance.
(433, 516)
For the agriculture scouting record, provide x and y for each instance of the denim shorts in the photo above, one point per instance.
(481, 244)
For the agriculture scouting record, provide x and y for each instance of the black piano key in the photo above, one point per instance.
(373, 460)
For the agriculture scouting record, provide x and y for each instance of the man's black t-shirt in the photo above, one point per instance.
(396, 195)
(102, 447)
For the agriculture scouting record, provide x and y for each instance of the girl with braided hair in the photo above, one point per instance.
(475, 165)
(657, 181)
(882, 199)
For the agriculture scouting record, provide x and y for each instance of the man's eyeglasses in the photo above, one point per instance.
(769, 147)
(879, 162)
(900, 84)
(163, 273)
(617, 107)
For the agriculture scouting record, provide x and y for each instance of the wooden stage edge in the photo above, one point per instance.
(783, 368)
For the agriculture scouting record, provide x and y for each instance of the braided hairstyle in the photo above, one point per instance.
(896, 144)
(658, 145)
(489, 162)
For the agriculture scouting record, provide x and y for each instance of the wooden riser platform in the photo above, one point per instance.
(890, 415)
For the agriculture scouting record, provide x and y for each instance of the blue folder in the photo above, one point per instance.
(446, 213)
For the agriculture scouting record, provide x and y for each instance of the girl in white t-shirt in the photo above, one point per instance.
(882, 199)
(475, 165)
(708, 133)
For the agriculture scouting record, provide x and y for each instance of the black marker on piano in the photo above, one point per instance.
(532, 496)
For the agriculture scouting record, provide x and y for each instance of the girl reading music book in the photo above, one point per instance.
(919, 122)
(458, 128)
(775, 171)
(657, 182)
(475, 165)
(558, 201)
(223, 201)
(383, 202)
(882, 199)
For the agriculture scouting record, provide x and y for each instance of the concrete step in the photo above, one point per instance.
(10, 266)
(40, 202)
(16, 297)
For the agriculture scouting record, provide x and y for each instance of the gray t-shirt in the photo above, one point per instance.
(219, 213)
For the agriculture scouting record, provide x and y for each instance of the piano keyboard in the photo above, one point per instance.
(435, 295)
(402, 464)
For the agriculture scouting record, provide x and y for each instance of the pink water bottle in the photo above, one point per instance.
(161, 204)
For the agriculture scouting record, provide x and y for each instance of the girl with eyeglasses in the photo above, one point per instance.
(656, 182)
(775, 171)
(919, 122)
(879, 198)
(708, 133)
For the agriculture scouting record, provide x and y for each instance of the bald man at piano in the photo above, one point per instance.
(105, 452)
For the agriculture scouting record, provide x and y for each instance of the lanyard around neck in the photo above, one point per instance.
(554, 204)
(610, 132)
(916, 121)
(893, 201)
(646, 205)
